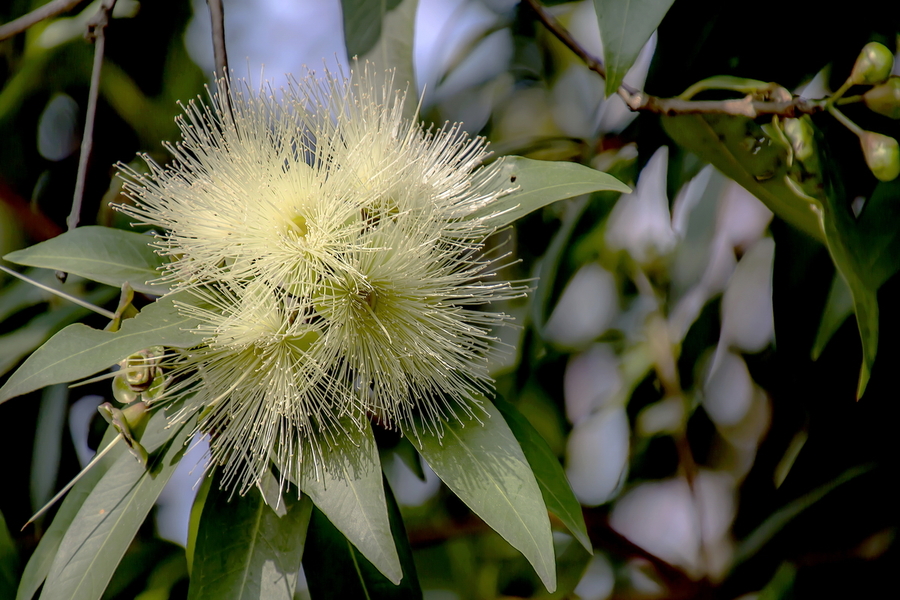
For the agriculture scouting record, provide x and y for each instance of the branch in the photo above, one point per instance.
(217, 17)
(746, 106)
(96, 33)
(640, 101)
(51, 9)
(556, 28)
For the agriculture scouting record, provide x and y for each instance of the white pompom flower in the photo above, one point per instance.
(329, 251)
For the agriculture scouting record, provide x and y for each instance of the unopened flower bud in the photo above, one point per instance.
(882, 155)
(885, 98)
(873, 65)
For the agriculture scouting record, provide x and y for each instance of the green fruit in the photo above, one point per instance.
(873, 65)
(882, 155)
(885, 98)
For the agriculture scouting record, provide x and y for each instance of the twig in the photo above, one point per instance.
(746, 106)
(96, 33)
(556, 28)
(217, 17)
(640, 101)
(51, 9)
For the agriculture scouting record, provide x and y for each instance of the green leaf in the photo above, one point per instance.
(751, 156)
(9, 562)
(381, 32)
(110, 256)
(548, 472)
(21, 342)
(78, 350)
(625, 26)
(763, 534)
(484, 465)
(194, 521)
(790, 180)
(112, 514)
(40, 562)
(335, 569)
(349, 490)
(838, 306)
(244, 550)
(362, 23)
(542, 182)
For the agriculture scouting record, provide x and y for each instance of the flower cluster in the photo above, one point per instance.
(331, 255)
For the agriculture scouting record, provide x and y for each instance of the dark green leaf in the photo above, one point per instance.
(763, 161)
(760, 536)
(40, 562)
(540, 183)
(111, 515)
(484, 465)
(362, 23)
(625, 26)
(48, 439)
(335, 568)
(78, 350)
(551, 477)
(381, 32)
(110, 256)
(244, 550)
(194, 521)
(349, 490)
(9, 562)
(838, 306)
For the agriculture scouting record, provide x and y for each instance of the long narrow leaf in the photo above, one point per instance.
(551, 477)
(111, 516)
(78, 350)
(485, 466)
(244, 550)
(110, 256)
(349, 491)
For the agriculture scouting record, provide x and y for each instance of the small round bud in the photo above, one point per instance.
(882, 155)
(885, 98)
(873, 65)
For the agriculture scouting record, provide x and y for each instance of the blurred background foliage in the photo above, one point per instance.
(666, 354)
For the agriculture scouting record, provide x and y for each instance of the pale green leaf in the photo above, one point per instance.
(21, 342)
(349, 490)
(625, 26)
(548, 472)
(244, 550)
(40, 562)
(78, 350)
(538, 183)
(112, 514)
(484, 465)
(110, 256)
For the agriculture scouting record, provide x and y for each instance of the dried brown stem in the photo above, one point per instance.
(51, 9)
